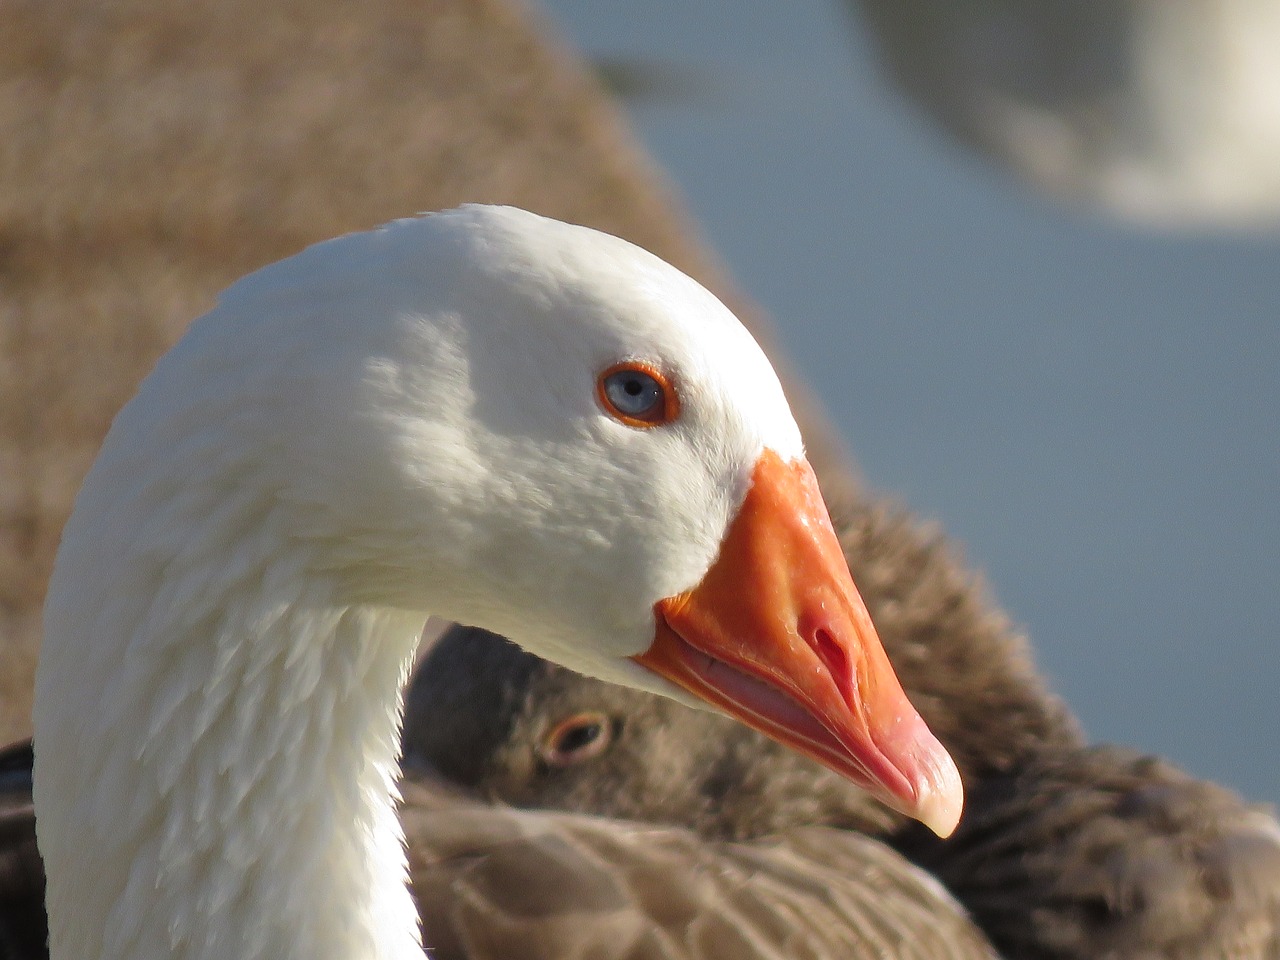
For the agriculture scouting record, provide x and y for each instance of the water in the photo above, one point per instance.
(1090, 408)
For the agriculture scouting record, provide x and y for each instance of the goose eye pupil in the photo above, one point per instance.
(578, 737)
(633, 392)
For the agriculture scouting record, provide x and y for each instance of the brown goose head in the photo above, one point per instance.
(522, 731)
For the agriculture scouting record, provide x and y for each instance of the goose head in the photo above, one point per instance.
(479, 414)
(517, 423)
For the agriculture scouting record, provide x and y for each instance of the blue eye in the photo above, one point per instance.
(637, 395)
(633, 392)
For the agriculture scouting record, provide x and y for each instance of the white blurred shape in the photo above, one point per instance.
(1163, 111)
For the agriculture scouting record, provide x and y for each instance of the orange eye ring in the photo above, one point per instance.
(637, 394)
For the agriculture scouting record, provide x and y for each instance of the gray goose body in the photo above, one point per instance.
(1080, 852)
(496, 883)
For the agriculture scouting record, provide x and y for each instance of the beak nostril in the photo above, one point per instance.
(836, 660)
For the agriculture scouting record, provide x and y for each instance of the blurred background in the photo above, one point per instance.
(1027, 253)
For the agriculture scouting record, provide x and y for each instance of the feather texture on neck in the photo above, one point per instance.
(250, 810)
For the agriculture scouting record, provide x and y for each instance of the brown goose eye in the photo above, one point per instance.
(577, 739)
(637, 394)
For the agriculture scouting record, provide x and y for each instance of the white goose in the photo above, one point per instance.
(480, 414)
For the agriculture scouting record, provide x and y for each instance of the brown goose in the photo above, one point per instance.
(1073, 853)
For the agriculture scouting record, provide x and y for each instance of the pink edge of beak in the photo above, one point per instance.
(777, 636)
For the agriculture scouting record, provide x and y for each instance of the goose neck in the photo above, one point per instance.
(226, 786)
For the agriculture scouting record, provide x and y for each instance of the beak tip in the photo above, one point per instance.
(940, 795)
(934, 792)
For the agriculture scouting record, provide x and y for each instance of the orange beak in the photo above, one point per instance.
(777, 637)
